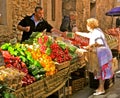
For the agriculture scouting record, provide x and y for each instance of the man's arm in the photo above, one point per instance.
(21, 28)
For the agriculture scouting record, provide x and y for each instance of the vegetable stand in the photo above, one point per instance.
(37, 60)
(43, 87)
(48, 85)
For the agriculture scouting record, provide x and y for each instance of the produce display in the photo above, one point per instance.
(37, 60)
(10, 80)
(110, 34)
(114, 32)
(38, 57)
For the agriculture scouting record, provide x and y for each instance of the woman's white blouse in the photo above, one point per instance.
(96, 33)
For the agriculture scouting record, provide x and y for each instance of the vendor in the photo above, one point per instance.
(34, 23)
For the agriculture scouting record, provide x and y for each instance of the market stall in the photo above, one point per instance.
(114, 32)
(44, 64)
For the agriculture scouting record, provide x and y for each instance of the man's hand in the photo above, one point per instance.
(54, 30)
(63, 34)
(26, 29)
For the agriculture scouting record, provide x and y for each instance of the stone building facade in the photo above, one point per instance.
(12, 11)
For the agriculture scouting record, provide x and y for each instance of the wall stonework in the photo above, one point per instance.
(102, 6)
(67, 6)
(21, 8)
(6, 27)
(17, 9)
(83, 10)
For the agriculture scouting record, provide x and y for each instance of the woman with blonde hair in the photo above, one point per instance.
(99, 54)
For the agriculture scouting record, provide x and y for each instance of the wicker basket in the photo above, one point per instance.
(74, 67)
(82, 60)
(77, 84)
(74, 60)
(63, 65)
(44, 86)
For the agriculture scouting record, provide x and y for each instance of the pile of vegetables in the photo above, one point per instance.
(5, 91)
(19, 57)
(15, 62)
(59, 51)
(80, 41)
(37, 60)
(45, 61)
(36, 57)
(59, 54)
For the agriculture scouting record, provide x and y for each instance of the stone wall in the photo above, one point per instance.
(17, 9)
(86, 9)
(102, 6)
(6, 23)
(83, 10)
(22, 8)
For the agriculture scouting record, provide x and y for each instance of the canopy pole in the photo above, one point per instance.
(112, 22)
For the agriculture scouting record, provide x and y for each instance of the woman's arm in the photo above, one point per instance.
(83, 34)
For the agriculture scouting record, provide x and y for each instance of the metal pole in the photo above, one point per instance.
(112, 22)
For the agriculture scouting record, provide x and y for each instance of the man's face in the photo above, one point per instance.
(39, 14)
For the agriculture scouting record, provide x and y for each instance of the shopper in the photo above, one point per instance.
(69, 23)
(34, 23)
(99, 54)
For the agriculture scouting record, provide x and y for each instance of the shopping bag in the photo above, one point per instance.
(114, 64)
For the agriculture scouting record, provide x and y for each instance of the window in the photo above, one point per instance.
(92, 9)
(3, 12)
(53, 10)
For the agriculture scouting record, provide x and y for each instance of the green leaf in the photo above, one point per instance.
(48, 51)
(62, 44)
(5, 46)
(23, 58)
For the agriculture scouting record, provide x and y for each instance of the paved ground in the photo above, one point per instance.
(87, 92)
(112, 92)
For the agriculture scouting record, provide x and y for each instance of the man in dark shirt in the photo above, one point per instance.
(69, 23)
(34, 23)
